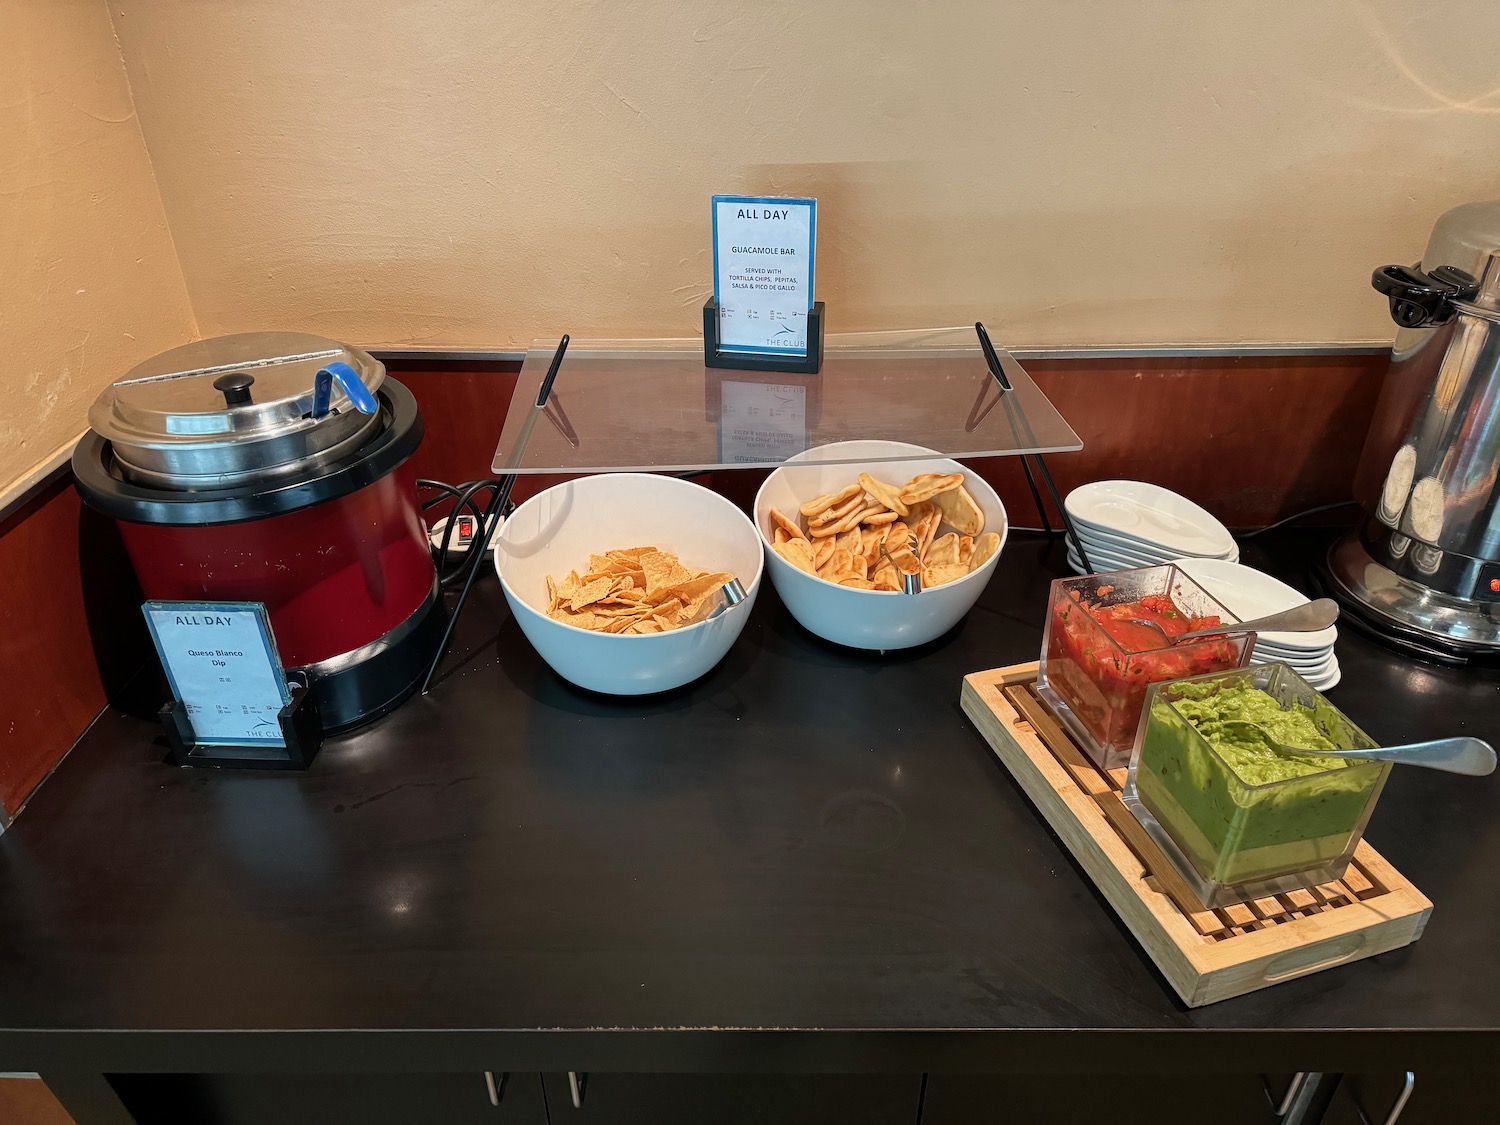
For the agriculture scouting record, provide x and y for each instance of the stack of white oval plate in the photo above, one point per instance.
(1247, 592)
(1128, 523)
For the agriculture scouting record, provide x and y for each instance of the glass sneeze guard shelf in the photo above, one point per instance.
(652, 406)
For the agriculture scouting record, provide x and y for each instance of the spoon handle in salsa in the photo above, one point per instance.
(1309, 618)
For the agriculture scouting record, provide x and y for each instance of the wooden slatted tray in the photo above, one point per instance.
(1207, 955)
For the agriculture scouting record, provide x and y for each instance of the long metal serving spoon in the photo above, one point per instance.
(1471, 756)
(1309, 618)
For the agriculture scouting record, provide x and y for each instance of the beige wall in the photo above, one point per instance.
(89, 281)
(477, 173)
(1075, 171)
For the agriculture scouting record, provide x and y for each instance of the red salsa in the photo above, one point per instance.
(1100, 659)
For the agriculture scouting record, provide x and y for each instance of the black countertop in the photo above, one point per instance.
(808, 860)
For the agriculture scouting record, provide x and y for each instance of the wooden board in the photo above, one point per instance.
(1207, 955)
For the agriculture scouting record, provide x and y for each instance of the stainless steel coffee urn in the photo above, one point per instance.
(1424, 568)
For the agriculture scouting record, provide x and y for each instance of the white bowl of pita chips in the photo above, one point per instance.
(586, 561)
(838, 536)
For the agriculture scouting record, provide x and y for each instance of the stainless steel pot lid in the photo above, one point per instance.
(235, 408)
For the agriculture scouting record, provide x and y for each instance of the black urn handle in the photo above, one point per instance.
(235, 387)
(1419, 299)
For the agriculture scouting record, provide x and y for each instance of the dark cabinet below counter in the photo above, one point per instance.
(520, 1099)
(734, 1099)
(331, 1099)
(1434, 1098)
(692, 1099)
(1119, 1099)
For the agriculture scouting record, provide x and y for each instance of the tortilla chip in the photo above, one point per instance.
(960, 511)
(884, 494)
(839, 563)
(668, 612)
(985, 546)
(943, 551)
(830, 500)
(938, 575)
(798, 553)
(635, 590)
(792, 527)
(925, 486)
(589, 594)
(823, 551)
(703, 584)
(658, 567)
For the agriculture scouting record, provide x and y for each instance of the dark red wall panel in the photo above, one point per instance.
(1252, 439)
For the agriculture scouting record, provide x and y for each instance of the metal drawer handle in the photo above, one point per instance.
(576, 1083)
(495, 1088)
(1291, 1092)
(1400, 1103)
(1297, 1101)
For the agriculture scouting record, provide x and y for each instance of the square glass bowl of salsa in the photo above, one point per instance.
(1098, 660)
(1241, 820)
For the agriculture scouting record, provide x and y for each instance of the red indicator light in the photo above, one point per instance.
(465, 528)
(1495, 585)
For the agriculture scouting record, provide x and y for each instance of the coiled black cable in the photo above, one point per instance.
(451, 565)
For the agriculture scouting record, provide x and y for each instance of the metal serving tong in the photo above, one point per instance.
(911, 583)
(730, 594)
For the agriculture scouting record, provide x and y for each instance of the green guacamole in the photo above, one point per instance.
(1243, 811)
(1251, 759)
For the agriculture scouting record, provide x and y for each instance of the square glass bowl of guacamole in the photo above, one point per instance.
(1241, 820)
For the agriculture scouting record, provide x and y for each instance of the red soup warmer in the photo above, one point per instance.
(274, 467)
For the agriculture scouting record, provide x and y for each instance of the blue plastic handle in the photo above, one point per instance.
(349, 382)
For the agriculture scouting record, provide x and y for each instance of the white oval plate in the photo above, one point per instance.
(1128, 545)
(1280, 652)
(1252, 593)
(1150, 512)
(1307, 669)
(1120, 544)
(1115, 559)
(1321, 680)
(1107, 560)
(1329, 681)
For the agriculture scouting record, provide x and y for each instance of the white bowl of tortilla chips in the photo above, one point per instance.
(571, 530)
(839, 574)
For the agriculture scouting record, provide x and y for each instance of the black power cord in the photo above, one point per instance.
(1321, 508)
(452, 565)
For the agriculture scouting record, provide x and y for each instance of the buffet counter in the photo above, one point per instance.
(807, 862)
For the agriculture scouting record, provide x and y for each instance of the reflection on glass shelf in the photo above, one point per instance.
(651, 405)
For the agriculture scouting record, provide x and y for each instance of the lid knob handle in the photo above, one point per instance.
(349, 382)
(235, 387)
